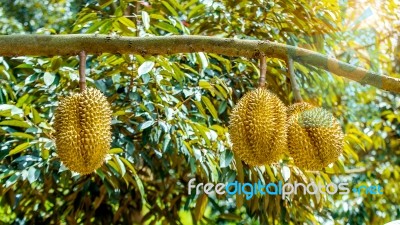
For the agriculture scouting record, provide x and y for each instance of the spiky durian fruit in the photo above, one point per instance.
(258, 128)
(315, 138)
(83, 130)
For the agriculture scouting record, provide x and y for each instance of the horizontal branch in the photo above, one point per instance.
(48, 45)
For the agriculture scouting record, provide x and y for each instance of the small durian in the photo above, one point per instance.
(315, 138)
(83, 130)
(258, 128)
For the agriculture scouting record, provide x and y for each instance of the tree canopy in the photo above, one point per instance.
(171, 112)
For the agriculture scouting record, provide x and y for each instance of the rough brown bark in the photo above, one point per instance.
(72, 44)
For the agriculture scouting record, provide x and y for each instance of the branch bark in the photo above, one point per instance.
(72, 44)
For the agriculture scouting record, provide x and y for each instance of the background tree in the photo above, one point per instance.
(171, 113)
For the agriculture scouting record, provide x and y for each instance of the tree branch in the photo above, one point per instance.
(48, 45)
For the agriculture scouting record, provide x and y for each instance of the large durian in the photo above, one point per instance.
(258, 128)
(315, 138)
(83, 130)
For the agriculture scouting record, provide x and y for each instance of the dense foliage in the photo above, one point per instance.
(171, 113)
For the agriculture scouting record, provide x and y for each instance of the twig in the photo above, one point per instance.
(295, 86)
(130, 87)
(137, 21)
(82, 68)
(263, 70)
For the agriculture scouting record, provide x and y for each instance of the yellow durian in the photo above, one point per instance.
(315, 138)
(258, 128)
(83, 130)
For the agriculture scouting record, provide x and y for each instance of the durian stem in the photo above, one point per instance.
(82, 69)
(71, 44)
(293, 82)
(263, 70)
(137, 21)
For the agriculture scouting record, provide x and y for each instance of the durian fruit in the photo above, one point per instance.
(315, 138)
(83, 130)
(258, 128)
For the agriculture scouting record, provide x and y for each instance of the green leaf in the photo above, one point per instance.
(120, 165)
(226, 159)
(230, 216)
(197, 10)
(158, 17)
(167, 27)
(137, 179)
(114, 166)
(210, 106)
(203, 60)
(200, 108)
(177, 5)
(222, 60)
(188, 147)
(270, 173)
(6, 173)
(22, 100)
(45, 153)
(202, 130)
(222, 107)
(55, 63)
(200, 208)
(145, 67)
(24, 66)
(239, 168)
(222, 90)
(19, 148)
(96, 25)
(285, 171)
(33, 174)
(167, 139)
(170, 8)
(127, 22)
(115, 150)
(146, 124)
(35, 116)
(205, 84)
(128, 164)
(14, 110)
(106, 3)
(146, 20)
(49, 78)
(11, 180)
(15, 123)
(22, 135)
